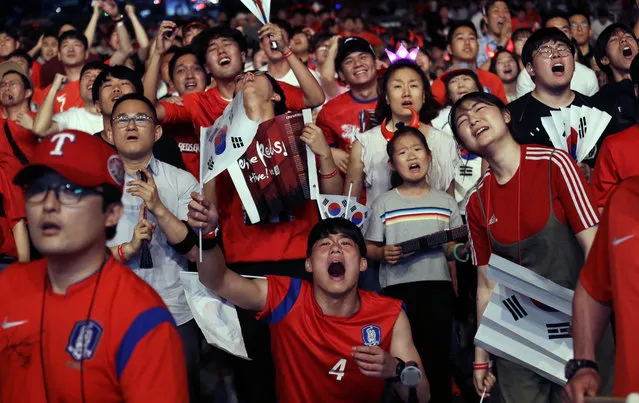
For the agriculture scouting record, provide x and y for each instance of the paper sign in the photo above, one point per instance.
(216, 317)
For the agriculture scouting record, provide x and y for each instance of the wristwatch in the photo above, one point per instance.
(572, 366)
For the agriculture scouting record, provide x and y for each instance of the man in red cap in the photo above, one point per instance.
(78, 325)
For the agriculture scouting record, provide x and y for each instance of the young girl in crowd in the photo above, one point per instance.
(533, 208)
(410, 210)
(505, 65)
(403, 87)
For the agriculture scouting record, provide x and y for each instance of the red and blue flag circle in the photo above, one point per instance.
(220, 141)
(334, 209)
(357, 218)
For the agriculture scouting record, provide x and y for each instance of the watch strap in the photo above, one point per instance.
(573, 366)
(398, 370)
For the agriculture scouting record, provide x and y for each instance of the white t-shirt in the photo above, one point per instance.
(441, 121)
(79, 119)
(584, 81)
(377, 174)
(289, 78)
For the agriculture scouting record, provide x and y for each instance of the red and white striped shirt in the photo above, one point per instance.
(520, 208)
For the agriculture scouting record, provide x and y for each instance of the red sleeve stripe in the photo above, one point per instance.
(578, 194)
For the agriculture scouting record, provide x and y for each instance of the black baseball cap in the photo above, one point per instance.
(350, 45)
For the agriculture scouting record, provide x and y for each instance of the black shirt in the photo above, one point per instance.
(618, 99)
(526, 113)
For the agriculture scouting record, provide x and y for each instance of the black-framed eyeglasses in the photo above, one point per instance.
(547, 51)
(140, 119)
(65, 193)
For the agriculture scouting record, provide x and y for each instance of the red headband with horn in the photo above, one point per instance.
(414, 123)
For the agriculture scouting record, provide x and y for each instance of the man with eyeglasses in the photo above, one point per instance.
(584, 80)
(155, 200)
(580, 33)
(548, 58)
(78, 325)
(115, 82)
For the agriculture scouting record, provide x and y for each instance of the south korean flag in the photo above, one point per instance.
(335, 206)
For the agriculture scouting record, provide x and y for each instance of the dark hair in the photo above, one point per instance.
(73, 35)
(493, 61)
(403, 131)
(94, 65)
(579, 12)
(50, 33)
(456, 26)
(520, 33)
(25, 80)
(179, 52)
(110, 195)
(334, 226)
(602, 44)
(461, 72)
(136, 97)
(279, 108)
(480, 97)
(540, 37)
(12, 33)
(556, 14)
(489, 3)
(119, 72)
(317, 39)
(23, 54)
(429, 110)
(201, 42)
(284, 25)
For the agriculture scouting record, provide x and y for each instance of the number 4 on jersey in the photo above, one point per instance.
(338, 369)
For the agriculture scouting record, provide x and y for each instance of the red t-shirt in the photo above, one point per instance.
(611, 274)
(12, 206)
(203, 108)
(247, 243)
(616, 161)
(312, 351)
(24, 139)
(490, 81)
(189, 143)
(339, 119)
(524, 201)
(36, 70)
(132, 350)
(65, 99)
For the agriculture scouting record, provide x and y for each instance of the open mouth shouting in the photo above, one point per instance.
(558, 69)
(336, 271)
(414, 168)
(190, 84)
(225, 61)
(627, 51)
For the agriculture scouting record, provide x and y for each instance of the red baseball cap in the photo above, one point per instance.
(82, 158)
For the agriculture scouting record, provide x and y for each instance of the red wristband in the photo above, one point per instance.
(121, 252)
(287, 54)
(481, 365)
(330, 174)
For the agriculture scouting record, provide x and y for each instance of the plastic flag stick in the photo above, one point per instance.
(348, 200)
(483, 395)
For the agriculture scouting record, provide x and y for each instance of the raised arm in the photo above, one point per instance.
(355, 172)
(89, 32)
(121, 54)
(328, 69)
(330, 179)
(313, 93)
(43, 125)
(36, 49)
(140, 32)
(213, 273)
(166, 34)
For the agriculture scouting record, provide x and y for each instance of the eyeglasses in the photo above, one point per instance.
(65, 193)
(256, 73)
(140, 119)
(548, 52)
